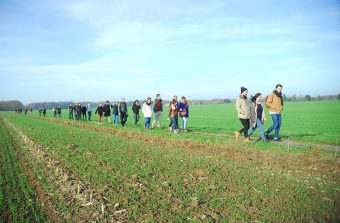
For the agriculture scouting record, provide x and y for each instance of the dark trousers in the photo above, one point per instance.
(123, 118)
(84, 116)
(89, 115)
(246, 126)
(70, 115)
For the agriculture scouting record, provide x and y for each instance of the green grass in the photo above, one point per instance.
(155, 183)
(17, 198)
(311, 122)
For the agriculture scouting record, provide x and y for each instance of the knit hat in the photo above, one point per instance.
(243, 89)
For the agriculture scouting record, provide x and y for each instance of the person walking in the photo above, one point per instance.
(115, 112)
(147, 111)
(83, 113)
(99, 111)
(170, 124)
(107, 112)
(183, 109)
(158, 109)
(135, 109)
(123, 112)
(54, 109)
(173, 115)
(75, 110)
(89, 111)
(274, 102)
(78, 111)
(44, 111)
(257, 116)
(243, 111)
(70, 111)
(59, 111)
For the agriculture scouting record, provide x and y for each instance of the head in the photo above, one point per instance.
(244, 91)
(70, 104)
(123, 99)
(183, 99)
(278, 88)
(88, 103)
(158, 96)
(148, 99)
(174, 101)
(107, 102)
(257, 97)
(136, 102)
(174, 97)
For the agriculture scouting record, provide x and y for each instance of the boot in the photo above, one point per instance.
(237, 135)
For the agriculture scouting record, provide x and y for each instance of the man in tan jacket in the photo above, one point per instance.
(243, 113)
(275, 103)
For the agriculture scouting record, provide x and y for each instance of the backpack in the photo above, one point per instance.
(266, 102)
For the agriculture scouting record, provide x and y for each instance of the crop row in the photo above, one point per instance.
(157, 183)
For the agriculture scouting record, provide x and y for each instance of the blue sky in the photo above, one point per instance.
(97, 50)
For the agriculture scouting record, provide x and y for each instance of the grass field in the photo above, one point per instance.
(103, 173)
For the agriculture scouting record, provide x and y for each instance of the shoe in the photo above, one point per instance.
(237, 135)
(247, 140)
(277, 140)
(266, 135)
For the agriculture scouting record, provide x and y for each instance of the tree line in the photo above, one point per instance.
(15, 104)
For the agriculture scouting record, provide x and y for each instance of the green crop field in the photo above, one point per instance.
(104, 173)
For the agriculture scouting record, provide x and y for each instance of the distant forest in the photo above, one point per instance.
(15, 104)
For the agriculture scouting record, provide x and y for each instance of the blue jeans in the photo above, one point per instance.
(184, 122)
(260, 126)
(276, 125)
(174, 121)
(147, 122)
(115, 119)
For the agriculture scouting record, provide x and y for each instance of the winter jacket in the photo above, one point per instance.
(243, 108)
(89, 108)
(253, 113)
(173, 110)
(158, 106)
(147, 110)
(122, 107)
(107, 110)
(99, 110)
(78, 109)
(135, 109)
(70, 108)
(83, 109)
(114, 109)
(185, 109)
(274, 103)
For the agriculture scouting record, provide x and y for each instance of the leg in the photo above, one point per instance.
(278, 127)
(246, 125)
(259, 124)
(184, 123)
(274, 125)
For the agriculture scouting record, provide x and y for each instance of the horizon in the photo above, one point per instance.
(88, 50)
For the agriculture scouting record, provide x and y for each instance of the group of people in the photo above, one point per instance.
(42, 111)
(116, 110)
(149, 107)
(80, 111)
(252, 114)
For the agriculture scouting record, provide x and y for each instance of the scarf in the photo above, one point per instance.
(279, 95)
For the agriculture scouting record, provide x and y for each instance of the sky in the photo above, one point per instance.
(84, 50)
